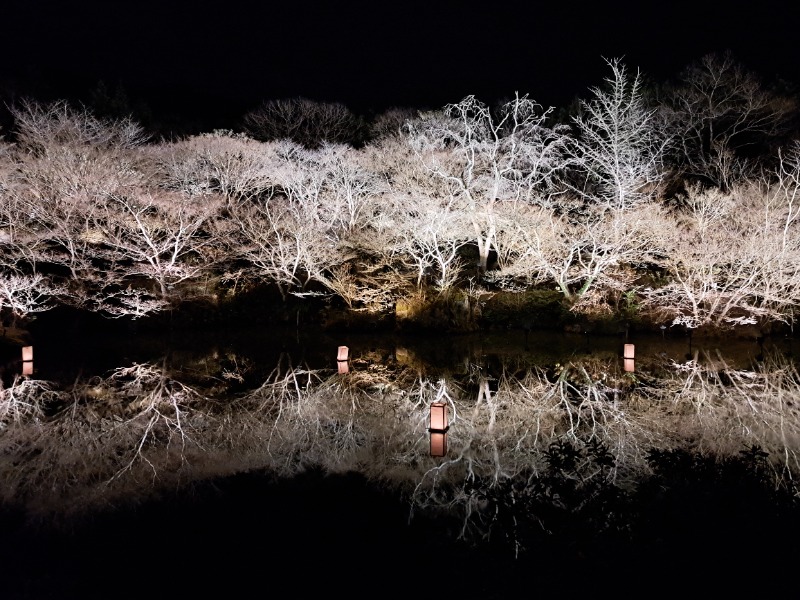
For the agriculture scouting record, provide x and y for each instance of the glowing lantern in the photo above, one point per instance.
(628, 365)
(439, 417)
(629, 351)
(27, 353)
(27, 368)
(438, 443)
(341, 360)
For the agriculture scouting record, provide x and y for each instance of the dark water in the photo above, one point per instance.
(318, 534)
(66, 351)
(337, 536)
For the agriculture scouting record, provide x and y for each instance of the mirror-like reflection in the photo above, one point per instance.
(144, 427)
(439, 444)
(65, 353)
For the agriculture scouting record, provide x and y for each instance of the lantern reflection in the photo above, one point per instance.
(438, 443)
(628, 365)
(438, 429)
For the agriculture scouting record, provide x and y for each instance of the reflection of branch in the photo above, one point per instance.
(140, 422)
(131, 302)
(153, 398)
(25, 294)
(24, 400)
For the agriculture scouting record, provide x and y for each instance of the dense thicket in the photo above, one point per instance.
(673, 206)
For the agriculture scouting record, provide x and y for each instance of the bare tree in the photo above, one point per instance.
(305, 122)
(293, 237)
(619, 147)
(57, 200)
(716, 113)
(22, 294)
(390, 123)
(24, 401)
(483, 156)
(44, 127)
(220, 162)
(429, 236)
(734, 259)
(350, 191)
(584, 258)
(11, 211)
(159, 236)
(282, 246)
(69, 164)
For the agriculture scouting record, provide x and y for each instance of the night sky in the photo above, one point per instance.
(212, 64)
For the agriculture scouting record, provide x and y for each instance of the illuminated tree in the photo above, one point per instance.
(483, 156)
(295, 236)
(58, 198)
(21, 294)
(43, 128)
(281, 246)
(70, 164)
(159, 236)
(619, 147)
(583, 258)
(220, 162)
(733, 258)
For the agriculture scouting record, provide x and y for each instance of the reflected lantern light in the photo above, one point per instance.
(438, 443)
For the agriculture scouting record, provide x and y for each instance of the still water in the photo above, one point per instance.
(195, 447)
(64, 353)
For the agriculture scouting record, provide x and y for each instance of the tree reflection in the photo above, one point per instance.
(574, 429)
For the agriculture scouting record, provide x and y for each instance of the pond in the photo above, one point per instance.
(65, 352)
(189, 448)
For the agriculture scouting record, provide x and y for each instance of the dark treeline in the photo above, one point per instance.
(671, 204)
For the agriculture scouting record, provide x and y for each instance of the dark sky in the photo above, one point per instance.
(214, 63)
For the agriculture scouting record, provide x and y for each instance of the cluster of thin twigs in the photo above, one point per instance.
(140, 429)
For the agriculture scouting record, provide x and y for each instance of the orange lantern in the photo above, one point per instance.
(628, 352)
(27, 353)
(342, 353)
